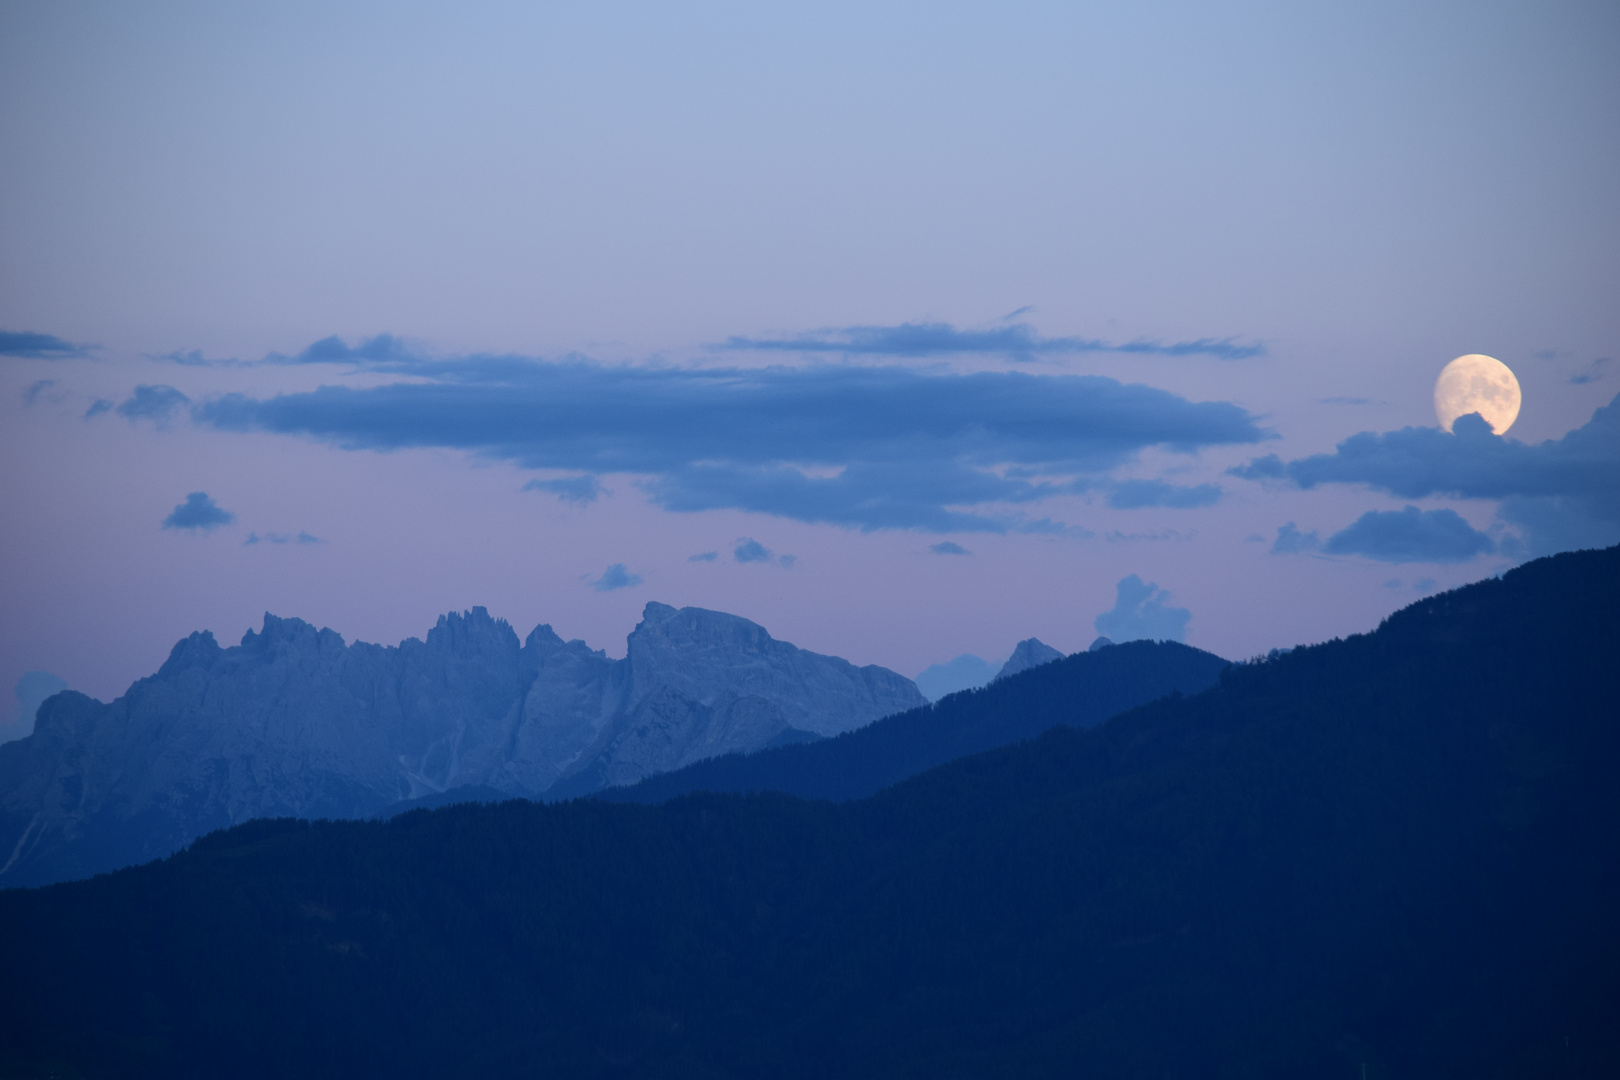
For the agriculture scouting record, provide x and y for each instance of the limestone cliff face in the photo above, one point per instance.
(293, 721)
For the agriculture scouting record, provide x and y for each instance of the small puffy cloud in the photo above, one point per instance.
(575, 489)
(29, 346)
(97, 407)
(615, 577)
(31, 690)
(1142, 610)
(703, 556)
(1136, 494)
(1018, 341)
(154, 403)
(198, 513)
(1290, 541)
(750, 550)
(948, 547)
(1410, 535)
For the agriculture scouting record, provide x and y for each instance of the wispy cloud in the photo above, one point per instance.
(1018, 341)
(1139, 494)
(30, 346)
(281, 538)
(861, 447)
(948, 547)
(575, 489)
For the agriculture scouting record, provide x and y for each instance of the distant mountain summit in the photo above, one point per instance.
(295, 722)
(1031, 652)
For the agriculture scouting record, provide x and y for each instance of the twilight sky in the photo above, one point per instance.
(905, 330)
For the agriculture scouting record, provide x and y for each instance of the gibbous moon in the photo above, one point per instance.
(1477, 384)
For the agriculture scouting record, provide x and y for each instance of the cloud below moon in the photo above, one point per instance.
(1477, 384)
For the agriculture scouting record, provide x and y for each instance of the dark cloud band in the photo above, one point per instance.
(1561, 493)
(869, 448)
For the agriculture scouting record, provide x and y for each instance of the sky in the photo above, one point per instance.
(904, 330)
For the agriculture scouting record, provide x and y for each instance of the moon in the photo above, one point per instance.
(1477, 384)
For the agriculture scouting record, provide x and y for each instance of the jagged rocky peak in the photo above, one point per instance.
(473, 631)
(690, 626)
(1031, 652)
(198, 650)
(280, 636)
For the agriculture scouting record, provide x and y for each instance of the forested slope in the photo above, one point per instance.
(1081, 690)
(1390, 856)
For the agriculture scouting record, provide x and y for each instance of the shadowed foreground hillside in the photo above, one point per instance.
(1390, 856)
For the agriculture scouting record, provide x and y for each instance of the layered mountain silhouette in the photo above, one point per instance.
(1082, 690)
(1393, 855)
(293, 721)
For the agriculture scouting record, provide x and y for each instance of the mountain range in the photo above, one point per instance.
(1386, 856)
(294, 721)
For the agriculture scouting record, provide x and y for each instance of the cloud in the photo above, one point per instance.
(198, 512)
(948, 547)
(1136, 494)
(281, 538)
(1290, 541)
(1142, 610)
(1592, 374)
(97, 407)
(1561, 493)
(31, 690)
(154, 403)
(1410, 535)
(860, 447)
(575, 489)
(382, 349)
(29, 346)
(1018, 341)
(751, 550)
(31, 394)
(704, 556)
(615, 577)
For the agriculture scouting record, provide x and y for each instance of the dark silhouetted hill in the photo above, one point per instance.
(1081, 691)
(1390, 856)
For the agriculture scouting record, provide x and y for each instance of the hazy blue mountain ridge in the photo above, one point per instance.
(293, 721)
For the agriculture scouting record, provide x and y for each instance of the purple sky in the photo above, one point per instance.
(854, 285)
